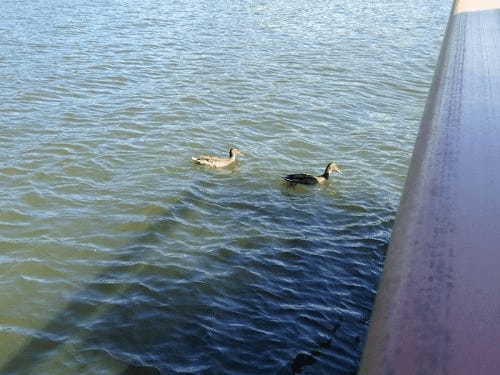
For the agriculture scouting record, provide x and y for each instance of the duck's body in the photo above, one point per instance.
(216, 161)
(307, 179)
(304, 179)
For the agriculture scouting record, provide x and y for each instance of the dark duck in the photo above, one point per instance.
(307, 179)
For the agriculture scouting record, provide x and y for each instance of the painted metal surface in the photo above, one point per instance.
(438, 308)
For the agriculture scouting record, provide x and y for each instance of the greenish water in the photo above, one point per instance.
(118, 256)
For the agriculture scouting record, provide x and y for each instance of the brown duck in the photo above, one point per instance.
(218, 162)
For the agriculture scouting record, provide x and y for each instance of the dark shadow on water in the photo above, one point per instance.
(82, 319)
(64, 324)
(141, 370)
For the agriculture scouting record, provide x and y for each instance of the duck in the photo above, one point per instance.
(307, 179)
(218, 162)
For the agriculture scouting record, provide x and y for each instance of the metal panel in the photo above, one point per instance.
(438, 308)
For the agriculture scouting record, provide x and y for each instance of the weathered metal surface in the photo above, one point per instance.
(438, 308)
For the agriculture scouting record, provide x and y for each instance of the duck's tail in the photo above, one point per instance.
(201, 161)
(288, 179)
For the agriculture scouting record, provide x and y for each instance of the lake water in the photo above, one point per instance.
(119, 256)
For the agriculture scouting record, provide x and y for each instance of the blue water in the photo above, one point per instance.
(119, 256)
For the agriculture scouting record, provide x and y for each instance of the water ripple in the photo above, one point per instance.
(119, 256)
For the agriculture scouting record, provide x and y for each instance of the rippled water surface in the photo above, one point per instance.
(118, 256)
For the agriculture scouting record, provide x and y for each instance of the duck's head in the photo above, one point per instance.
(233, 151)
(332, 167)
